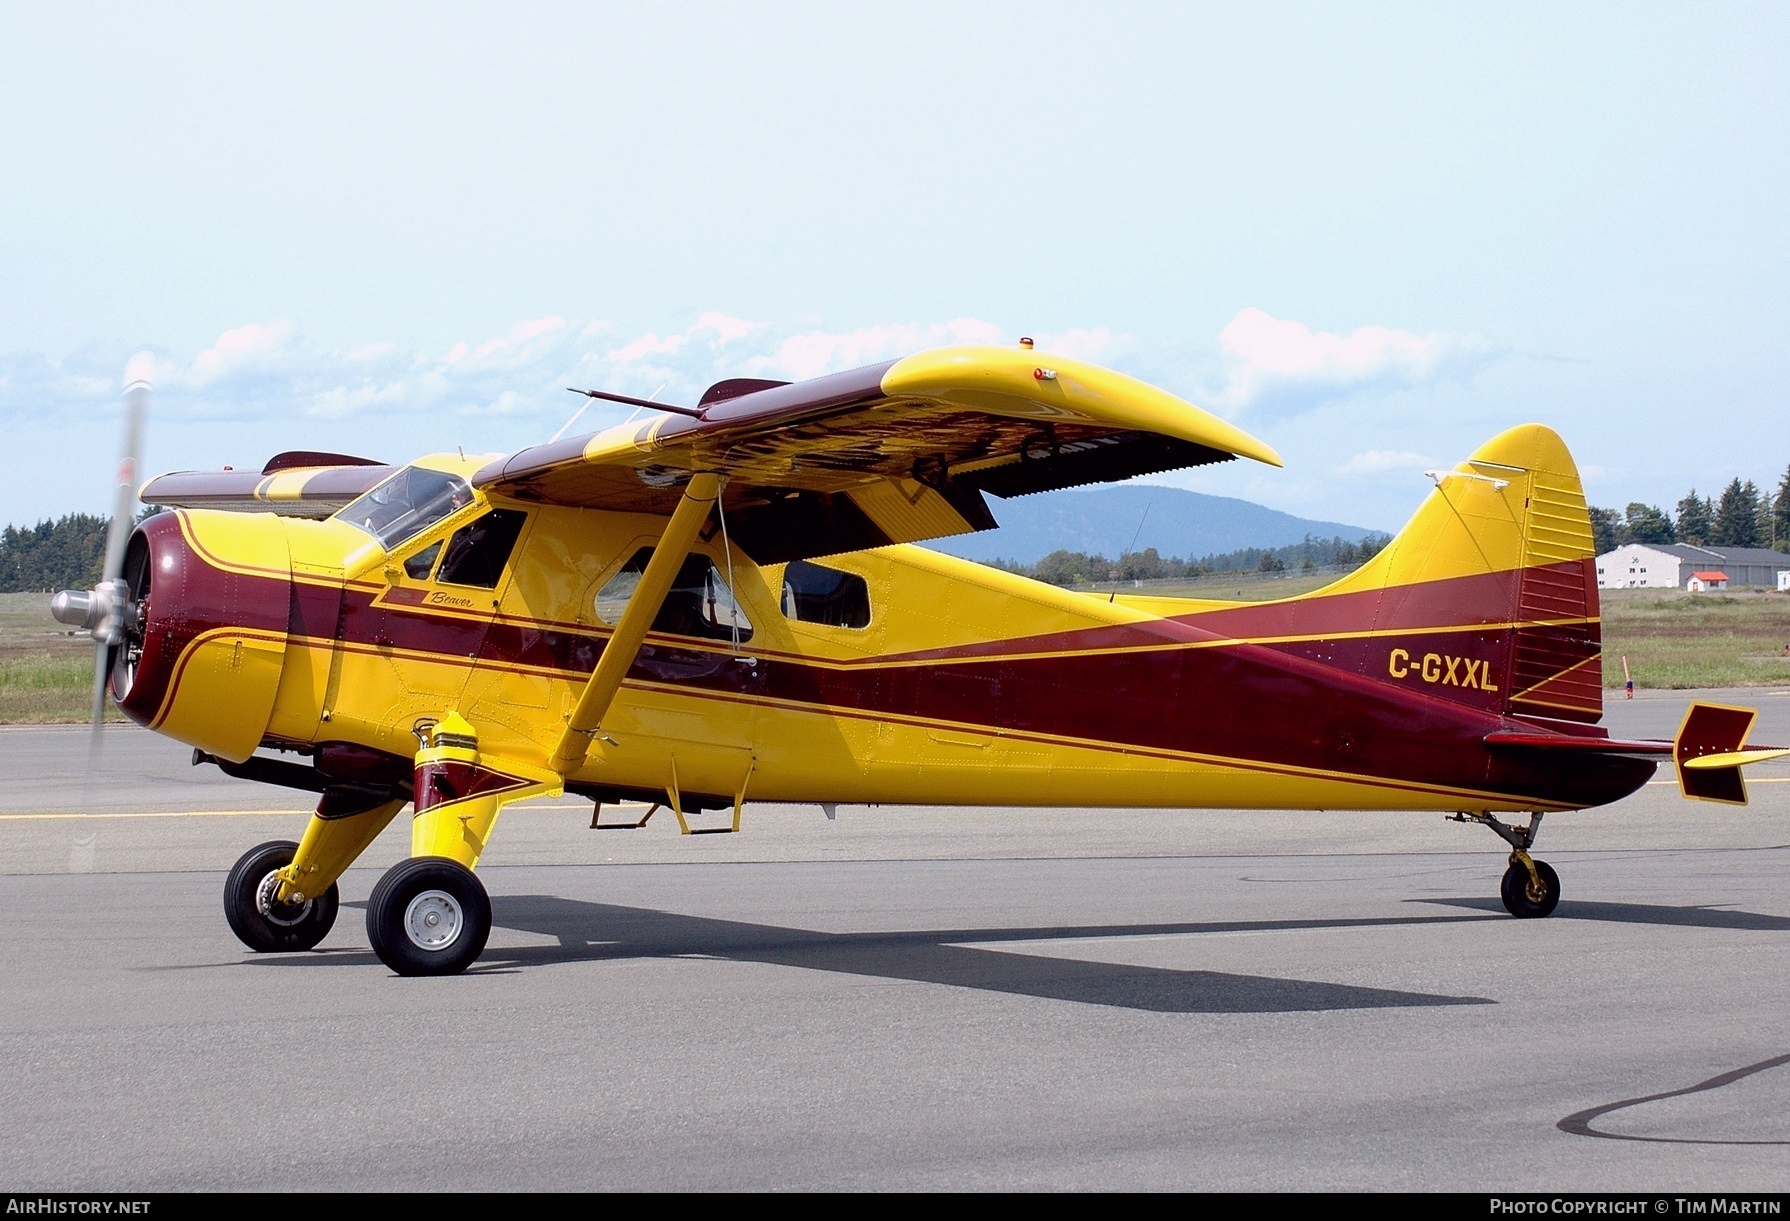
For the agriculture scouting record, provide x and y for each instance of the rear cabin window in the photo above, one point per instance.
(699, 604)
(479, 550)
(813, 594)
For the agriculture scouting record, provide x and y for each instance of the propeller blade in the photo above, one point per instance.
(124, 495)
(111, 629)
(100, 674)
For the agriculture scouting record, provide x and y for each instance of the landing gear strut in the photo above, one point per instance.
(1531, 888)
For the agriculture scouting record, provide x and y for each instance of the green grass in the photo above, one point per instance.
(1677, 639)
(46, 674)
(1671, 639)
(47, 690)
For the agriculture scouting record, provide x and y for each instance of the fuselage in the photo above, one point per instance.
(943, 681)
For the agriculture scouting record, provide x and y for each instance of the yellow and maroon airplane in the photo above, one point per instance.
(719, 605)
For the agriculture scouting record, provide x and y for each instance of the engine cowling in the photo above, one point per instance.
(205, 627)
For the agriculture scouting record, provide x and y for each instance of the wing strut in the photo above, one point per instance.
(618, 655)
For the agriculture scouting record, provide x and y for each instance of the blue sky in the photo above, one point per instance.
(1371, 234)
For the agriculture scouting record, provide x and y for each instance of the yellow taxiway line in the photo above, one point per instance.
(638, 805)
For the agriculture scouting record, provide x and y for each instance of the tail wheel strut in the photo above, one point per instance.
(1531, 888)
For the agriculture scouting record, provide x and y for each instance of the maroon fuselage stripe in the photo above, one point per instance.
(1328, 705)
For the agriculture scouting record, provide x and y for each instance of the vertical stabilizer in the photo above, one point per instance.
(1488, 596)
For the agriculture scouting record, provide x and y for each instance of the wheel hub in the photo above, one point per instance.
(433, 920)
(283, 914)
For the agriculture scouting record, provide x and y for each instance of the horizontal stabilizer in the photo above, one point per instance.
(1578, 744)
(1710, 750)
(282, 487)
(1738, 758)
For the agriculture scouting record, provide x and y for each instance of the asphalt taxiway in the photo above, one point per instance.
(907, 998)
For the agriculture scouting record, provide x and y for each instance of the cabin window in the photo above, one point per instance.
(479, 550)
(407, 504)
(699, 604)
(813, 594)
(422, 563)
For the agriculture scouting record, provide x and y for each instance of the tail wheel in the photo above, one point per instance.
(261, 923)
(1523, 898)
(428, 916)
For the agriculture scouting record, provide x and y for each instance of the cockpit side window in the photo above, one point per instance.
(814, 594)
(479, 550)
(422, 563)
(699, 604)
(406, 504)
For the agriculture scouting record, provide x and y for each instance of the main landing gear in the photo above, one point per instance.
(1531, 888)
(428, 916)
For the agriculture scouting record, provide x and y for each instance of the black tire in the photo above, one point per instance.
(287, 928)
(1515, 891)
(428, 916)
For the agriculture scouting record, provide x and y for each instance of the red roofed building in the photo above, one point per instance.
(1701, 581)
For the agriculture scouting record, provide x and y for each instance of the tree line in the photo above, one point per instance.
(1072, 568)
(67, 553)
(1743, 516)
(63, 554)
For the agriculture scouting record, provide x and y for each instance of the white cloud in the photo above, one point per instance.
(1096, 345)
(813, 353)
(245, 347)
(518, 341)
(647, 345)
(726, 329)
(1375, 461)
(1277, 364)
(723, 329)
(265, 375)
(140, 368)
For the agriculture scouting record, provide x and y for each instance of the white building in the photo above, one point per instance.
(1670, 565)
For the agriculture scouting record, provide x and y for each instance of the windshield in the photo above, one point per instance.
(410, 501)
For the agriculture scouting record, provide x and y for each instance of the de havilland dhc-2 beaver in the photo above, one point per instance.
(719, 604)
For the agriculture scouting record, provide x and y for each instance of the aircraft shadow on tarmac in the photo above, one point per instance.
(1640, 913)
(596, 931)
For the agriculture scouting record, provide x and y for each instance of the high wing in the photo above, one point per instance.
(298, 483)
(890, 453)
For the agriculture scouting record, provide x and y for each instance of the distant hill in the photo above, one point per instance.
(1103, 520)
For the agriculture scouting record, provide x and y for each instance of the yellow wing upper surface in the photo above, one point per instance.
(890, 453)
